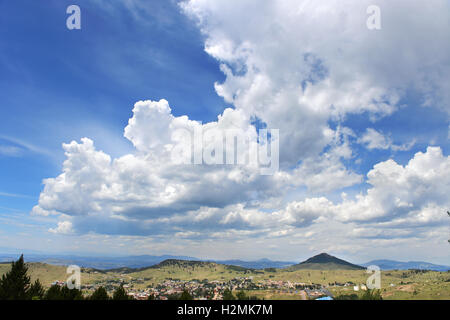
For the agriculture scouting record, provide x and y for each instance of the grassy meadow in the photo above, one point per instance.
(396, 284)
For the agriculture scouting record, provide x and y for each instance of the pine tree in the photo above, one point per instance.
(54, 293)
(36, 292)
(15, 284)
(71, 294)
(186, 295)
(241, 295)
(100, 294)
(63, 293)
(228, 295)
(120, 294)
(371, 295)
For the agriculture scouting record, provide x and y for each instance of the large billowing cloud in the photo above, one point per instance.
(299, 66)
(151, 183)
(403, 196)
(149, 191)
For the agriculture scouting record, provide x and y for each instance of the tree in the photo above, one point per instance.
(371, 295)
(36, 292)
(15, 284)
(228, 295)
(100, 294)
(241, 295)
(186, 295)
(54, 293)
(63, 293)
(352, 296)
(173, 296)
(71, 294)
(120, 294)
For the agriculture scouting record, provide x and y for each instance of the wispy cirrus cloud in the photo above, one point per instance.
(15, 195)
(18, 147)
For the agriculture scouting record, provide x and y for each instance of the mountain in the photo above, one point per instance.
(177, 263)
(398, 265)
(257, 264)
(101, 263)
(181, 263)
(324, 261)
(173, 264)
(133, 262)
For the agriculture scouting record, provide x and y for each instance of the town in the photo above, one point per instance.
(205, 289)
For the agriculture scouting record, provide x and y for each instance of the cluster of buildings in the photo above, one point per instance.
(207, 289)
(200, 289)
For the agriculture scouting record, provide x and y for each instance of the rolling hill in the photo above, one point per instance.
(177, 264)
(257, 264)
(325, 261)
(398, 265)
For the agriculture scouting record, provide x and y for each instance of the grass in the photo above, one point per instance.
(396, 284)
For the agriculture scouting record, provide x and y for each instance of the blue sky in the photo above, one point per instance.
(59, 85)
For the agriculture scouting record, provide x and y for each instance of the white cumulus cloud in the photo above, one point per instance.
(374, 139)
(302, 67)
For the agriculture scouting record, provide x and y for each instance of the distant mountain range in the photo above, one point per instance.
(322, 261)
(101, 263)
(393, 265)
(135, 262)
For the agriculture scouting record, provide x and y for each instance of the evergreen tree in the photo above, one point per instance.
(53, 293)
(36, 292)
(71, 294)
(120, 294)
(186, 295)
(15, 284)
(352, 296)
(100, 294)
(371, 295)
(241, 295)
(174, 296)
(228, 295)
(63, 293)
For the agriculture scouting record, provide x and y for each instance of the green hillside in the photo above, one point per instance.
(325, 261)
(337, 278)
